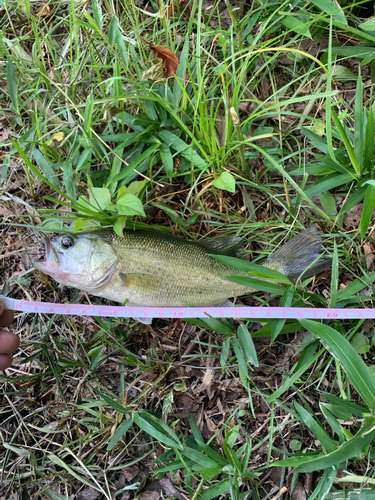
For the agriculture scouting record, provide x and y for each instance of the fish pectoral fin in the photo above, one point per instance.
(140, 282)
(227, 303)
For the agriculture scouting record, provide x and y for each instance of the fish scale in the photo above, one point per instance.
(186, 272)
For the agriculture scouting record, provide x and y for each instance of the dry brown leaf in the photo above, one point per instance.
(45, 10)
(179, 6)
(155, 72)
(368, 250)
(352, 217)
(170, 60)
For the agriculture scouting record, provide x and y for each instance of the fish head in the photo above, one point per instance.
(86, 261)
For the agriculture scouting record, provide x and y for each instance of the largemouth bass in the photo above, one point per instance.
(148, 268)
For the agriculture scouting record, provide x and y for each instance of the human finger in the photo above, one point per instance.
(8, 342)
(5, 361)
(6, 318)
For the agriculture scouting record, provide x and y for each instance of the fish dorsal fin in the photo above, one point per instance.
(140, 282)
(225, 245)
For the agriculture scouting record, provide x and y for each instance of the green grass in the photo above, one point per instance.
(258, 135)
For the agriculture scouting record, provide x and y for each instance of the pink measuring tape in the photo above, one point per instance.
(245, 312)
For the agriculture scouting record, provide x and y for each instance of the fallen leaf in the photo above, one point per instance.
(45, 10)
(179, 6)
(235, 118)
(352, 217)
(170, 60)
(88, 494)
(368, 250)
(155, 72)
(212, 427)
(130, 472)
(169, 489)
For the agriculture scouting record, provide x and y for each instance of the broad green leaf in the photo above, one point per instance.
(100, 197)
(12, 86)
(363, 51)
(134, 163)
(116, 406)
(278, 324)
(79, 224)
(346, 451)
(340, 412)
(355, 368)
(98, 15)
(91, 21)
(182, 148)
(315, 427)
(316, 141)
(359, 122)
(69, 179)
(215, 491)
(304, 363)
(213, 324)
(247, 345)
(119, 432)
(226, 181)
(368, 25)
(118, 226)
(360, 343)
(53, 495)
(263, 286)
(46, 168)
(57, 461)
(346, 405)
(356, 286)
(128, 204)
(133, 188)
(112, 30)
(343, 74)
(301, 27)
(334, 277)
(89, 109)
(253, 269)
(122, 47)
(242, 364)
(328, 203)
(153, 431)
(167, 159)
(348, 145)
(198, 457)
(330, 7)
(370, 138)
(330, 182)
(367, 210)
(332, 420)
(84, 159)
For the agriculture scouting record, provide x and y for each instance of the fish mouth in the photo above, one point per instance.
(52, 263)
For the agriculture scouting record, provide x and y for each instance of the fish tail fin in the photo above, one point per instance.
(295, 258)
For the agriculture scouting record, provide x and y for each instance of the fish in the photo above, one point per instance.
(154, 269)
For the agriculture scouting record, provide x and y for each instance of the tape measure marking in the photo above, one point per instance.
(186, 312)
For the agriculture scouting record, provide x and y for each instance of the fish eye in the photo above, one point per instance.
(67, 242)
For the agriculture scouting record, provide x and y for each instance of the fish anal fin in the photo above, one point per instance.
(140, 282)
(143, 320)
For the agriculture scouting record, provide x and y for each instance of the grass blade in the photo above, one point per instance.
(357, 372)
